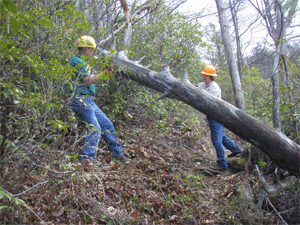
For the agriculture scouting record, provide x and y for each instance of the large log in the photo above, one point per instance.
(282, 150)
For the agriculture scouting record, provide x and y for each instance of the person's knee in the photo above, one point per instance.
(217, 146)
(109, 128)
(215, 140)
(96, 133)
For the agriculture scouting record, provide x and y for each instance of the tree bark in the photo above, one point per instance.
(128, 29)
(230, 57)
(275, 89)
(234, 10)
(282, 150)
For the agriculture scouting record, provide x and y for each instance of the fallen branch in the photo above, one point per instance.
(31, 188)
(272, 206)
(101, 185)
(54, 171)
(21, 202)
(209, 171)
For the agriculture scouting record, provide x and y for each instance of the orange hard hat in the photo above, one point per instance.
(209, 70)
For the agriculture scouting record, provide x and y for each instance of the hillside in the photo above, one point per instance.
(166, 182)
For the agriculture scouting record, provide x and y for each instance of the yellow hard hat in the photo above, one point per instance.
(209, 70)
(87, 41)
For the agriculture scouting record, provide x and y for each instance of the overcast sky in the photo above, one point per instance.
(255, 35)
(208, 10)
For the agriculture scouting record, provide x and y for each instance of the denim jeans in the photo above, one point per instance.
(97, 124)
(219, 139)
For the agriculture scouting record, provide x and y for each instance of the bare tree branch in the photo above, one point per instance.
(128, 29)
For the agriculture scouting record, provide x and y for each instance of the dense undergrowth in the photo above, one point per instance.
(165, 183)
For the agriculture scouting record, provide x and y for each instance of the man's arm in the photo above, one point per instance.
(94, 78)
(215, 90)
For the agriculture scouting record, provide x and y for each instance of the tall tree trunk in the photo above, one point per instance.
(276, 90)
(230, 57)
(233, 11)
(282, 150)
(128, 29)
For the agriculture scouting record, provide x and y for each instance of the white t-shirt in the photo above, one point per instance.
(212, 88)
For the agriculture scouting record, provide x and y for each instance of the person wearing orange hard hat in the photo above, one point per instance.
(219, 139)
(84, 106)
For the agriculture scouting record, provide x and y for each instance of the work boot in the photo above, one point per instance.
(234, 154)
(216, 167)
(121, 158)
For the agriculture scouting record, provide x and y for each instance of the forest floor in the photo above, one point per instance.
(168, 181)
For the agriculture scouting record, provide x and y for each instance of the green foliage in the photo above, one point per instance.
(58, 124)
(167, 112)
(289, 102)
(114, 96)
(167, 38)
(34, 73)
(262, 164)
(116, 106)
(135, 201)
(224, 81)
(189, 184)
(257, 93)
(9, 202)
(214, 52)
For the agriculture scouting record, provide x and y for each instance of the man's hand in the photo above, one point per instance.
(91, 79)
(94, 78)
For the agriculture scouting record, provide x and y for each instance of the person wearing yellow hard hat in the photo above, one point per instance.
(219, 139)
(84, 106)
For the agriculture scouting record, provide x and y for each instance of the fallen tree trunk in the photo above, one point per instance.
(282, 150)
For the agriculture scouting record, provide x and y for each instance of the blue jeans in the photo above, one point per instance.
(97, 124)
(219, 139)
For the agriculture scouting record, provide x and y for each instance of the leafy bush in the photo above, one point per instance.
(258, 94)
(36, 45)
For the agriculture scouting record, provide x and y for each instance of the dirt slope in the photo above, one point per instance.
(166, 182)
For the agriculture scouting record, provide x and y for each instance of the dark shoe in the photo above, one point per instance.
(234, 154)
(216, 167)
(121, 158)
